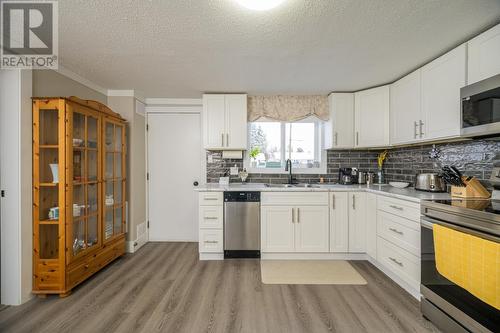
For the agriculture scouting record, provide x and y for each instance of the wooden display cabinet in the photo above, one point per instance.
(79, 170)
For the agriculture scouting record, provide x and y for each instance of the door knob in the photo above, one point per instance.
(195, 183)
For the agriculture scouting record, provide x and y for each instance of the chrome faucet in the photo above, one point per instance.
(288, 167)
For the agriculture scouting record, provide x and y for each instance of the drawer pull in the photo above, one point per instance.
(86, 266)
(396, 231)
(210, 198)
(396, 207)
(211, 242)
(210, 217)
(399, 263)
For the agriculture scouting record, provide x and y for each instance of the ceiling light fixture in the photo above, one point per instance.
(260, 4)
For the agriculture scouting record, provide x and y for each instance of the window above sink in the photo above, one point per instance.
(273, 142)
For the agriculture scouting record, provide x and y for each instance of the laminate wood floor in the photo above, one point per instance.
(165, 288)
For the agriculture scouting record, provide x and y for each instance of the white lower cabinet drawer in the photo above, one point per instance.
(400, 262)
(403, 208)
(210, 198)
(211, 217)
(400, 231)
(211, 240)
(294, 198)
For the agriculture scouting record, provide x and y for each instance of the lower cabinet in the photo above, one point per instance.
(371, 225)
(339, 222)
(294, 229)
(357, 222)
(311, 229)
(277, 229)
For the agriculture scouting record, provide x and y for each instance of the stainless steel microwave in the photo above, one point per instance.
(480, 111)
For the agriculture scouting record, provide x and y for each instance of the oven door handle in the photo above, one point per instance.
(428, 222)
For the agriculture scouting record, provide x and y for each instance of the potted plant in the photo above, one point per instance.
(254, 152)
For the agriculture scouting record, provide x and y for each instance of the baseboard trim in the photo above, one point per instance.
(211, 256)
(402, 283)
(314, 256)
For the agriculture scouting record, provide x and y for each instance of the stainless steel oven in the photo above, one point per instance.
(447, 305)
(480, 112)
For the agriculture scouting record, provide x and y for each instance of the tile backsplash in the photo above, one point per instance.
(474, 157)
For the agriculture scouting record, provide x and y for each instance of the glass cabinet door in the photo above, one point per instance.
(84, 184)
(47, 154)
(114, 182)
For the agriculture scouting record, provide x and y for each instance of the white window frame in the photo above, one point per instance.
(319, 144)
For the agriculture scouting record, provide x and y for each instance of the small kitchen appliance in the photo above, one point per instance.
(345, 176)
(361, 177)
(430, 182)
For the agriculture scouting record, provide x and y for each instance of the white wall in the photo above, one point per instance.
(15, 179)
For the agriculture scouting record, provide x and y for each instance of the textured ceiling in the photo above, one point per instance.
(181, 48)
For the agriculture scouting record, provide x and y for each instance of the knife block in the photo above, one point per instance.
(472, 189)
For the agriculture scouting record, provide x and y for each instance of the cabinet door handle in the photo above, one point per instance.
(298, 215)
(211, 242)
(421, 123)
(336, 139)
(293, 215)
(211, 217)
(357, 138)
(333, 201)
(396, 207)
(415, 130)
(353, 201)
(227, 140)
(399, 263)
(222, 139)
(396, 231)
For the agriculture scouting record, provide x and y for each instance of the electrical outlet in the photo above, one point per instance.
(210, 159)
(234, 171)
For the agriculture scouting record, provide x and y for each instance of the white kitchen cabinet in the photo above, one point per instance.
(357, 222)
(441, 83)
(225, 121)
(483, 55)
(339, 131)
(277, 229)
(371, 225)
(405, 109)
(311, 229)
(339, 222)
(236, 121)
(371, 117)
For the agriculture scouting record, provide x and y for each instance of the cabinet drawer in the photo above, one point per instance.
(406, 209)
(79, 273)
(211, 198)
(211, 240)
(294, 198)
(400, 231)
(211, 217)
(400, 262)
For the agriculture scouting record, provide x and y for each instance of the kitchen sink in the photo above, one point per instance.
(291, 185)
(279, 185)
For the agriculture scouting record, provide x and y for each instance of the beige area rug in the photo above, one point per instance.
(309, 272)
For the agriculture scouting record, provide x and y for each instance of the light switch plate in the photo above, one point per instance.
(234, 171)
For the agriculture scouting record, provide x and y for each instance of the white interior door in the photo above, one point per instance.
(174, 162)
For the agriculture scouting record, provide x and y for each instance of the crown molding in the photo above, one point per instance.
(80, 79)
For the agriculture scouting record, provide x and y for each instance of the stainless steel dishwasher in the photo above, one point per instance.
(241, 224)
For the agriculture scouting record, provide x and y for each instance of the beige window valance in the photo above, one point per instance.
(287, 108)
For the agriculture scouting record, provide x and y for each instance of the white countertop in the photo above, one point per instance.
(406, 194)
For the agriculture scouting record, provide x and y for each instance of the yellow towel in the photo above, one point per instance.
(471, 262)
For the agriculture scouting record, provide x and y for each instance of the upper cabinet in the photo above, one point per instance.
(371, 114)
(483, 55)
(339, 131)
(225, 121)
(405, 109)
(441, 83)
